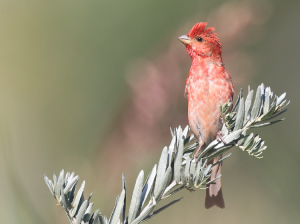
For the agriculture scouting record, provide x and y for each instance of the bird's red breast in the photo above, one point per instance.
(208, 85)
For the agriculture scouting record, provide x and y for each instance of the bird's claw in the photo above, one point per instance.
(220, 137)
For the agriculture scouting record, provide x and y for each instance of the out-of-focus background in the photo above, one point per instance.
(93, 87)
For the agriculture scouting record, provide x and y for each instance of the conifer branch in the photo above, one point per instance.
(176, 169)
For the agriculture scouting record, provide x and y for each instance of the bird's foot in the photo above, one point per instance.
(220, 137)
(196, 153)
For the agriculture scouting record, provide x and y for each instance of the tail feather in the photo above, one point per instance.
(214, 194)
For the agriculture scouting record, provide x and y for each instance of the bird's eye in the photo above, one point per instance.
(199, 39)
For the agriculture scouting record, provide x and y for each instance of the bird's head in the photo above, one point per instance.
(202, 42)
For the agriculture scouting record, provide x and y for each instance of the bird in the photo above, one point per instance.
(207, 86)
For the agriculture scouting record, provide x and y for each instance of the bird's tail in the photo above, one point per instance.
(214, 194)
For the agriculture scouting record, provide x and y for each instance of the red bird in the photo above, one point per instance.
(208, 85)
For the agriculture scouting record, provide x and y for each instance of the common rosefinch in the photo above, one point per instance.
(208, 85)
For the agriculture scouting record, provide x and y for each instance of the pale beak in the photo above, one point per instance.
(185, 39)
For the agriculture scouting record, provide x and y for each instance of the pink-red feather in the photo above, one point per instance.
(208, 33)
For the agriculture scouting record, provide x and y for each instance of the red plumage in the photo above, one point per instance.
(208, 85)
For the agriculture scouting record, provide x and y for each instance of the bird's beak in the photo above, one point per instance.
(185, 39)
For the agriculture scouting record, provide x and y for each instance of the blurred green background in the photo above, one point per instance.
(70, 78)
